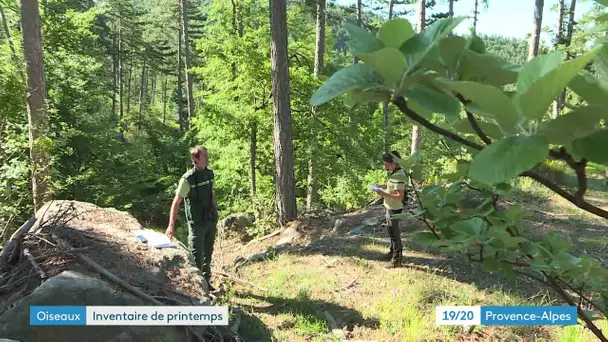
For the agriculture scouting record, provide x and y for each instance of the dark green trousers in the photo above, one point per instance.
(201, 239)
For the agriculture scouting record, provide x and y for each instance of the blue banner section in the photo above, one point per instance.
(528, 315)
(58, 315)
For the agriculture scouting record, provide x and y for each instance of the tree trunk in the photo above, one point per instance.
(153, 94)
(114, 77)
(351, 114)
(283, 148)
(567, 42)
(165, 100)
(253, 143)
(420, 27)
(129, 85)
(385, 103)
(538, 22)
(451, 8)
(184, 7)
(360, 24)
(120, 81)
(142, 93)
(183, 122)
(559, 40)
(570, 29)
(36, 99)
(312, 194)
(475, 15)
(11, 45)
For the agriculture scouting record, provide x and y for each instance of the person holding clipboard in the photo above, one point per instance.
(393, 193)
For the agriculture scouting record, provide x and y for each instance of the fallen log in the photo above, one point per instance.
(14, 242)
(275, 233)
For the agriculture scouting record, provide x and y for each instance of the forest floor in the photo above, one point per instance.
(328, 281)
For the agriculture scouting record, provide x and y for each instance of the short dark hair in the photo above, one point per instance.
(388, 157)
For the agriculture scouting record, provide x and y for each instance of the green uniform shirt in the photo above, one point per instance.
(196, 187)
(392, 185)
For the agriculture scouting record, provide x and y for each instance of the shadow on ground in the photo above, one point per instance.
(373, 243)
(310, 316)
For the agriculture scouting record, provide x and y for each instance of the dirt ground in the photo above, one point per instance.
(341, 273)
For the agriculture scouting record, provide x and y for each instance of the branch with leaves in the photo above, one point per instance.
(579, 167)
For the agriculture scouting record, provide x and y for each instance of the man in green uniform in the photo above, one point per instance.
(393, 193)
(196, 187)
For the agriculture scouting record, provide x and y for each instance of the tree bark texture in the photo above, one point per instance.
(283, 148)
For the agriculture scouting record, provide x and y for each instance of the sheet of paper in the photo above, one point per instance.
(154, 239)
(373, 187)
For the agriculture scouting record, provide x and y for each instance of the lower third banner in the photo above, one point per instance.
(506, 315)
(128, 315)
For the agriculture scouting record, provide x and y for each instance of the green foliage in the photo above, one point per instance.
(508, 158)
(587, 147)
(537, 86)
(513, 101)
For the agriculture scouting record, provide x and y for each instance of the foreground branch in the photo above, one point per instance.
(402, 105)
(578, 167)
(567, 196)
(576, 199)
(596, 331)
(473, 122)
(420, 205)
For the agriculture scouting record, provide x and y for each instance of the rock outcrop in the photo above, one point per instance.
(52, 271)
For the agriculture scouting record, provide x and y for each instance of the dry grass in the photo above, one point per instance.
(341, 274)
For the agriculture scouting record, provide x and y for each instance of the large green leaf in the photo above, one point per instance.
(590, 88)
(602, 2)
(601, 61)
(451, 50)
(356, 96)
(361, 40)
(529, 248)
(490, 264)
(433, 61)
(536, 98)
(603, 27)
(508, 158)
(388, 62)
(490, 129)
(433, 99)
(355, 76)
(540, 264)
(556, 243)
(424, 238)
(487, 69)
(602, 18)
(395, 32)
(490, 99)
(593, 147)
(567, 261)
(476, 44)
(536, 68)
(419, 109)
(576, 124)
(470, 227)
(416, 48)
(499, 233)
